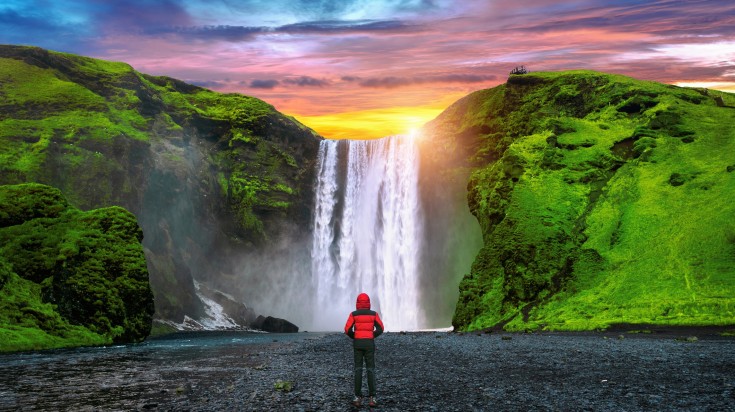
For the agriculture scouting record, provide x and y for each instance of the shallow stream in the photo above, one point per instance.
(129, 377)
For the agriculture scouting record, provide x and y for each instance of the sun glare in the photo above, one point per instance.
(414, 133)
(372, 124)
(721, 86)
(412, 123)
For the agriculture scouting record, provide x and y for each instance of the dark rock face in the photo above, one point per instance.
(274, 325)
(210, 176)
(451, 234)
(89, 265)
(238, 312)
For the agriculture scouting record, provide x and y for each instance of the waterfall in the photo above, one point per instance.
(367, 231)
(216, 317)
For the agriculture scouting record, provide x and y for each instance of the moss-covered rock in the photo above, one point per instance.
(209, 175)
(67, 277)
(602, 200)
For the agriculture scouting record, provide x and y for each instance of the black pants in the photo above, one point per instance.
(364, 350)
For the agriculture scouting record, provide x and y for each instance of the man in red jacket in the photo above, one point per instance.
(363, 326)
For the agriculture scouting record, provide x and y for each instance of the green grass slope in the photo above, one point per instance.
(67, 277)
(77, 123)
(602, 200)
(209, 175)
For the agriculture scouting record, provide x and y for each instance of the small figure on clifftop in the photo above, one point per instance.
(363, 326)
(519, 70)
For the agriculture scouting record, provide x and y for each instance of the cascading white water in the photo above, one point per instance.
(216, 317)
(367, 231)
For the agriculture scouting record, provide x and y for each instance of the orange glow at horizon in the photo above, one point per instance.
(371, 124)
(407, 120)
(728, 87)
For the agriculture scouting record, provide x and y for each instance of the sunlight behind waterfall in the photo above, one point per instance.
(371, 124)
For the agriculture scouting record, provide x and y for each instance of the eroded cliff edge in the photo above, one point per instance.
(602, 200)
(213, 178)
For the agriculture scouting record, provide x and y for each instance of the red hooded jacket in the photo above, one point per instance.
(363, 323)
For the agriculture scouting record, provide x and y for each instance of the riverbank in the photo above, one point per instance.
(416, 371)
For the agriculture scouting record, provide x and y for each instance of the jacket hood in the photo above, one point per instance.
(363, 301)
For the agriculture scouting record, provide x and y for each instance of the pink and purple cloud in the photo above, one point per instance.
(318, 58)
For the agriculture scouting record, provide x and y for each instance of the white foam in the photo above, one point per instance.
(367, 237)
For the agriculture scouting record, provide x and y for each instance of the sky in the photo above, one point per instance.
(366, 69)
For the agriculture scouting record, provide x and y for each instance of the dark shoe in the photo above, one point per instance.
(373, 402)
(357, 401)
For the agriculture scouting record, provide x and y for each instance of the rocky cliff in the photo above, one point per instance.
(68, 277)
(213, 178)
(602, 200)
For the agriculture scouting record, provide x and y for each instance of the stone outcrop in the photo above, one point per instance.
(275, 325)
(69, 277)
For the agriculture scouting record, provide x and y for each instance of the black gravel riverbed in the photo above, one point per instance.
(422, 371)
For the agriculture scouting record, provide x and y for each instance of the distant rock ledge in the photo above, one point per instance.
(224, 312)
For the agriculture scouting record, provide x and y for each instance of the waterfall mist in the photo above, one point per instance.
(391, 225)
(384, 220)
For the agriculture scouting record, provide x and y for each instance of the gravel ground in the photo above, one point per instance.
(498, 372)
(429, 371)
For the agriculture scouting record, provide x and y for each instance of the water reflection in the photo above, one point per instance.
(130, 376)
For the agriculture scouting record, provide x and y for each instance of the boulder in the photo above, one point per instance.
(237, 311)
(275, 325)
(69, 277)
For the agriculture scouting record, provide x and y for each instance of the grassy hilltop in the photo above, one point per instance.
(78, 122)
(210, 176)
(602, 200)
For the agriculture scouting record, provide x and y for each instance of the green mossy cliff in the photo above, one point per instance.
(210, 176)
(67, 277)
(602, 200)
